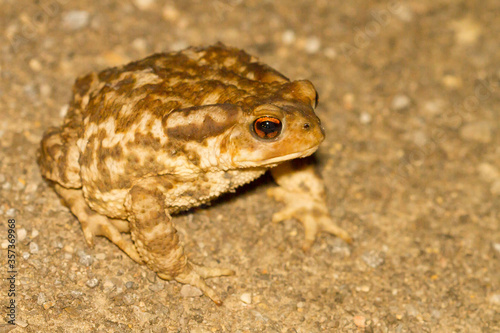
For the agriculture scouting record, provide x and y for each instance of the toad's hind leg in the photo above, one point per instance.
(157, 241)
(95, 224)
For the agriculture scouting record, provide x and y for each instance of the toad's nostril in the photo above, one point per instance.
(306, 126)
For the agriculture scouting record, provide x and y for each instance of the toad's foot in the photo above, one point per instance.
(311, 212)
(195, 275)
(95, 224)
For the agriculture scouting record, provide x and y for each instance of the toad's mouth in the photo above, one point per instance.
(275, 160)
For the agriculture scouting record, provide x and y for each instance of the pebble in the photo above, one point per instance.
(129, 284)
(5, 244)
(41, 299)
(365, 118)
(190, 291)
(34, 233)
(330, 53)
(92, 283)
(11, 212)
(35, 65)
(494, 299)
(479, 131)
(246, 298)
(85, 259)
(100, 256)
(68, 249)
(21, 323)
(21, 234)
(400, 102)
(313, 44)
(170, 13)
(359, 321)
(75, 293)
(488, 172)
(411, 310)
(48, 305)
(452, 81)
(372, 259)
(496, 247)
(144, 4)
(108, 285)
(159, 285)
(34, 248)
(139, 44)
(288, 37)
(26, 255)
(76, 19)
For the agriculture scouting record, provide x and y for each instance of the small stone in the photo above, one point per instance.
(85, 259)
(313, 44)
(100, 256)
(11, 212)
(34, 233)
(190, 291)
(467, 31)
(108, 285)
(159, 285)
(5, 244)
(488, 172)
(246, 298)
(40, 299)
(139, 44)
(48, 305)
(129, 285)
(75, 293)
(92, 283)
(26, 255)
(452, 81)
(129, 299)
(496, 247)
(372, 259)
(436, 314)
(170, 13)
(411, 310)
(400, 102)
(144, 4)
(365, 118)
(21, 323)
(75, 19)
(33, 248)
(35, 65)
(364, 288)
(68, 249)
(479, 131)
(288, 37)
(359, 321)
(330, 53)
(494, 299)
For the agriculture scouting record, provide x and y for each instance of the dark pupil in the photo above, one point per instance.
(269, 127)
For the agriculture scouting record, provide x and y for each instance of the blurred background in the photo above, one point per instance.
(409, 97)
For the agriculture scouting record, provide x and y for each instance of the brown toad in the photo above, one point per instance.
(173, 131)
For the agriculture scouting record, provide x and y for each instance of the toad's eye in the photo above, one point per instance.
(267, 127)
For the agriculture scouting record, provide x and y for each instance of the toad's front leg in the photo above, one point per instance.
(303, 192)
(157, 241)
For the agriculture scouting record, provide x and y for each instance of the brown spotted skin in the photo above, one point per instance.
(169, 132)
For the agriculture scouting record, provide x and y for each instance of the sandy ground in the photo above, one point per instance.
(409, 97)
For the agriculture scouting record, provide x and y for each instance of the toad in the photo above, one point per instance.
(161, 135)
